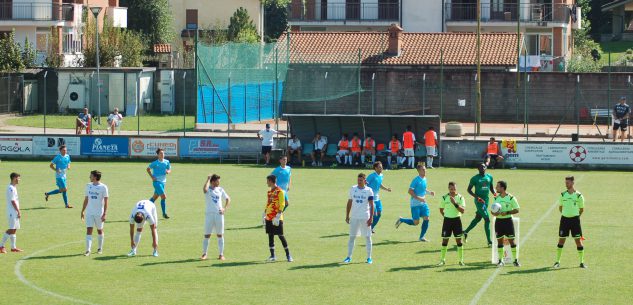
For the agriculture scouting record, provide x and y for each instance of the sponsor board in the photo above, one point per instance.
(105, 146)
(16, 146)
(49, 146)
(202, 147)
(146, 147)
(567, 153)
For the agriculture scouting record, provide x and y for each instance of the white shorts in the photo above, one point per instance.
(342, 152)
(408, 152)
(94, 221)
(430, 150)
(14, 222)
(359, 227)
(214, 223)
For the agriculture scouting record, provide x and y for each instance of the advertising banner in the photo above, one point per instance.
(146, 147)
(16, 146)
(49, 146)
(105, 146)
(564, 153)
(202, 147)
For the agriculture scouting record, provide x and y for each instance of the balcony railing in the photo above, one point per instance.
(36, 11)
(508, 12)
(316, 11)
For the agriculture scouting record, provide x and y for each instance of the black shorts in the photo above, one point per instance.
(452, 226)
(570, 225)
(266, 149)
(504, 227)
(274, 230)
(492, 156)
(621, 126)
(317, 151)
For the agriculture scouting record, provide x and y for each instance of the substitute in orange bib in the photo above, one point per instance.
(408, 143)
(430, 142)
(394, 150)
(493, 153)
(343, 151)
(369, 149)
(356, 145)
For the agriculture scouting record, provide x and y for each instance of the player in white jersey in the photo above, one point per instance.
(13, 214)
(214, 215)
(94, 209)
(143, 211)
(359, 215)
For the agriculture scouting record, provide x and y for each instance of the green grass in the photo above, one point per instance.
(402, 273)
(148, 122)
(617, 49)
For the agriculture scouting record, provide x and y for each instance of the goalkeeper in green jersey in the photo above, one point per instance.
(483, 185)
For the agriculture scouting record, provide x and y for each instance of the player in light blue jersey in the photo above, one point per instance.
(374, 181)
(60, 164)
(284, 176)
(419, 206)
(158, 171)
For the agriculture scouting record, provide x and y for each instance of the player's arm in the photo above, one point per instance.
(383, 187)
(149, 172)
(413, 195)
(205, 187)
(371, 211)
(168, 170)
(470, 190)
(154, 236)
(348, 209)
(105, 208)
(52, 166)
(83, 209)
(15, 206)
(581, 204)
(457, 205)
(227, 202)
(132, 235)
(289, 182)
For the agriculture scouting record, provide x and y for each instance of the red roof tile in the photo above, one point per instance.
(162, 48)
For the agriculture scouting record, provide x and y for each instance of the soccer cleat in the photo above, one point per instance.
(441, 263)
(556, 265)
(203, 257)
(165, 216)
(465, 237)
(99, 251)
(489, 245)
(347, 260)
(461, 263)
(87, 253)
(132, 252)
(398, 222)
(583, 266)
(516, 263)
(500, 263)
(369, 261)
(155, 253)
(373, 231)
(17, 250)
(46, 196)
(3, 250)
(423, 239)
(272, 259)
(289, 258)
(221, 257)
(69, 206)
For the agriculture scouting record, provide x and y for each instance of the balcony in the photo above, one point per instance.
(36, 12)
(318, 11)
(508, 12)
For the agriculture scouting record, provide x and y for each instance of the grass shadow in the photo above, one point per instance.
(117, 221)
(472, 266)
(235, 264)
(335, 235)
(54, 256)
(411, 268)
(110, 257)
(535, 270)
(183, 261)
(317, 266)
(434, 251)
(245, 228)
(393, 242)
(33, 209)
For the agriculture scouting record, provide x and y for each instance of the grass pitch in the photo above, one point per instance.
(52, 269)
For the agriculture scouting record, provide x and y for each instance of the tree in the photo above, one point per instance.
(28, 54)
(242, 28)
(53, 58)
(11, 59)
(582, 59)
(116, 46)
(153, 19)
(275, 19)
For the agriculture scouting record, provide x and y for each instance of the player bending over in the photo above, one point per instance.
(13, 214)
(359, 214)
(452, 207)
(143, 211)
(571, 204)
(96, 204)
(214, 215)
(274, 218)
(504, 227)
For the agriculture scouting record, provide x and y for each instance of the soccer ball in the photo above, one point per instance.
(577, 153)
(495, 207)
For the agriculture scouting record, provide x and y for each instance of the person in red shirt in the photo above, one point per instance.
(343, 151)
(430, 142)
(408, 143)
(394, 150)
(356, 148)
(493, 153)
(369, 149)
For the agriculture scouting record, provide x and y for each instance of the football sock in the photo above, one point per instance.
(65, 196)
(137, 239)
(350, 245)
(338, 159)
(460, 252)
(349, 159)
(408, 221)
(373, 158)
(368, 245)
(55, 192)
(205, 245)
(443, 253)
(13, 241)
(101, 238)
(283, 241)
(514, 251)
(88, 242)
(5, 237)
(411, 161)
(376, 219)
(425, 227)
(487, 229)
(220, 245)
(152, 199)
(581, 254)
(271, 244)
(389, 160)
(429, 161)
(559, 252)
(500, 251)
(163, 206)
(362, 159)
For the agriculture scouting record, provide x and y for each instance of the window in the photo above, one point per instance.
(192, 19)
(539, 44)
(41, 44)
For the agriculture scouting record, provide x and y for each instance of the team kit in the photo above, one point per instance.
(363, 211)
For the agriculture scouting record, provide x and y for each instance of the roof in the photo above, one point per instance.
(497, 49)
(613, 4)
(162, 48)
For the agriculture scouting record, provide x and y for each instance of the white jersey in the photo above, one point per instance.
(96, 194)
(214, 199)
(267, 136)
(12, 195)
(148, 209)
(320, 144)
(360, 202)
(294, 144)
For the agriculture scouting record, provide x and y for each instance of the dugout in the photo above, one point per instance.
(381, 127)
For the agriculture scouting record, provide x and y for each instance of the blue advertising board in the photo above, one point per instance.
(202, 147)
(105, 146)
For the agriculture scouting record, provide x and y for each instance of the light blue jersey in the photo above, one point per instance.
(159, 170)
(283, 177)
(61, 165)
(418, 185)
(374, 181)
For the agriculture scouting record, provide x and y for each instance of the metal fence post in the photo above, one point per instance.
(45, 99)
(184, 104)
(245, 103)
(373, 94)
(424, 94)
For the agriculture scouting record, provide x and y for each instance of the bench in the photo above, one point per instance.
(599, 113)
(240, 156)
